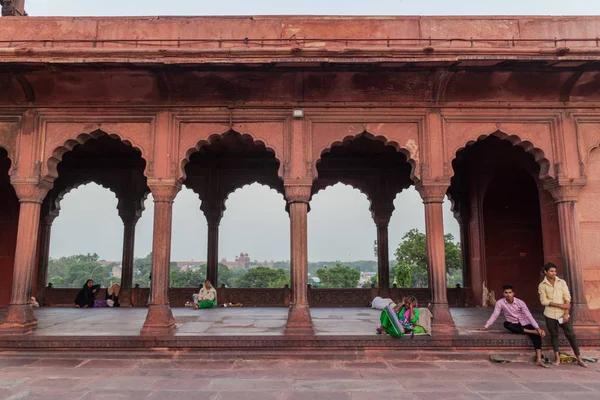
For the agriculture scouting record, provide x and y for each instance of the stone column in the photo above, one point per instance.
(213, 213)
(566, 197)
(45, 231)
(130, 219)
(383, 251)
(159, 320)
(299, 320)
(212, 253)
(433, 197)
(13, 8)
(20, 318)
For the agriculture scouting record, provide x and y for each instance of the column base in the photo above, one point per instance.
(583, 320)
(125, 298)
(20, 320)
(299, 321)
(442, 323)
(159, 320)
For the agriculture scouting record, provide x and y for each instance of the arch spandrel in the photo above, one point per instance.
(588, 132)
(60, 138)
(404, 137)
(534, 139)
(195, 135)
(9, 133)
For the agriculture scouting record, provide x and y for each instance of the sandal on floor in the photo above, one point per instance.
(378, 331)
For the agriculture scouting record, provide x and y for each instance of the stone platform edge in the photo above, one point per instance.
(265, 343)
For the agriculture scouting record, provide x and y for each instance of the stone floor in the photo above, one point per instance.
(91, 376)
(233, 321)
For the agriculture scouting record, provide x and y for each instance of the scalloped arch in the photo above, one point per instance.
(60, 196)
(261, 142)
(350, 138)
(537, 153)
(58, 153)
(353, 185)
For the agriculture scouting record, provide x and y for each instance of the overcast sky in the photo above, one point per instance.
(340, 225)
(312, 7)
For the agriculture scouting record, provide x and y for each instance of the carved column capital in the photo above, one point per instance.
(213, 209)
(432, 192)
(164, 190)
(565, 192)
(31, 190)
(298, 192)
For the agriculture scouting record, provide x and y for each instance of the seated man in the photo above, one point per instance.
(518, 320)
(395, 321)
(207, 298)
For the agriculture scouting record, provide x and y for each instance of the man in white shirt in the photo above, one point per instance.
(207, 298)
(555, 297)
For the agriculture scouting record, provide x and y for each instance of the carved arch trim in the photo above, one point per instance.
(50, 165)
(411, 154)
(217, 133)
(538, 154)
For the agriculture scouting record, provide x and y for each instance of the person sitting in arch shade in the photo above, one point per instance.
(207, 298)
(86, 296)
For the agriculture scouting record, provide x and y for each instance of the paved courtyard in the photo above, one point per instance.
(71, 376)
(61, 321)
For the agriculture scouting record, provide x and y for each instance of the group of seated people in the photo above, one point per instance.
(86, 298)
(402, 318)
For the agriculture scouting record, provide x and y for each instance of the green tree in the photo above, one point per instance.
(142, 267)
(224, 275)
(74, 271)
(411, 256)
(262, 277)
(186, 277)
(403, 275)
(339, 276)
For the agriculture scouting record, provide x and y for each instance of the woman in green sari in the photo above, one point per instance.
(401, 319)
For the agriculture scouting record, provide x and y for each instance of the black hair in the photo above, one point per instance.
(507, 287)
(549, 265)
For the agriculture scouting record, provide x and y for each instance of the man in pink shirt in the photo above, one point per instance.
(518, 320)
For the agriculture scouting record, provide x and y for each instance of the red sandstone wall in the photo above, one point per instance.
(299, 27)
(513, 237)
(589, 217)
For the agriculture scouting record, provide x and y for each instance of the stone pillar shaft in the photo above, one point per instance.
(569, 241)
(383, 254)
(566, 202)
(299, 319)
(20, 317)
(128, 252)
(45, 232)
(212, 257)
(433, 197)
(160, 317)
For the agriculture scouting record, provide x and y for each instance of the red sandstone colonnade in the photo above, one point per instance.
(506, 125)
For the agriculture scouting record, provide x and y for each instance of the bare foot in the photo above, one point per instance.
(556, 363)
(540, 363)
(581, 364)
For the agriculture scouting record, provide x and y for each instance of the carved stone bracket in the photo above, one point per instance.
(164, 191)
(565, 191)
(434, 191)
(31, 190)
(297, 191)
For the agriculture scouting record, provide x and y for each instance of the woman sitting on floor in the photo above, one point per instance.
(207, 298)
(112, 295)
(401, 319)
(85, 297)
